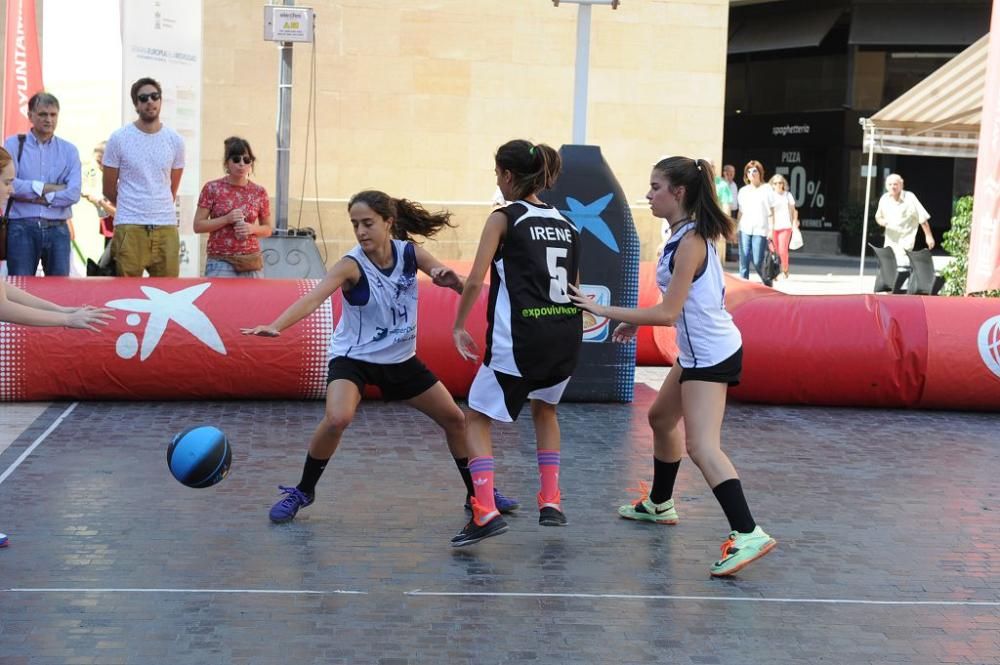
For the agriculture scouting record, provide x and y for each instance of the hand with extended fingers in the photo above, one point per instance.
(585, 302)
(261, 331)
(464, 343)
(88, 317)
(624, 332)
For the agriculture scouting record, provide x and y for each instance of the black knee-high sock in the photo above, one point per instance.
(664, 475)
(734, 505)
(311, 471)
(463, 468)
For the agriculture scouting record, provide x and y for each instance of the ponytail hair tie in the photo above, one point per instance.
(531, 151)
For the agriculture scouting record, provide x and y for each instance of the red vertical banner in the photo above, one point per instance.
(984, 245)
(22, 66)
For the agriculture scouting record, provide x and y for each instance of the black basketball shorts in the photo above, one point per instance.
(728, 371)
(397, 381)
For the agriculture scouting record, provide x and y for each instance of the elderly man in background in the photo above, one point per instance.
(45, 189)
(901, 213)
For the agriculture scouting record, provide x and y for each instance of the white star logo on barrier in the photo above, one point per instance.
(989, 344)
(163, 308)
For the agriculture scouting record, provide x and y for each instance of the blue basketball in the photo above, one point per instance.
(200, 456)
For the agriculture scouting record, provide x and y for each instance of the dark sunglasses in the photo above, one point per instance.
(246, 159)
(155, 96)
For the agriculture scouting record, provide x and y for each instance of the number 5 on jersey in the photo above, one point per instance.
(558, 283)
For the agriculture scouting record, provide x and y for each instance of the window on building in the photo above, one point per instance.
(788, 84)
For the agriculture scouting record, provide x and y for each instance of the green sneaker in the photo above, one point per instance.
(741, 549)
(645, 510)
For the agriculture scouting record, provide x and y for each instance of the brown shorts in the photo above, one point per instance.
(155, 249)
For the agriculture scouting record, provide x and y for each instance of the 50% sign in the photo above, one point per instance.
(801, 186)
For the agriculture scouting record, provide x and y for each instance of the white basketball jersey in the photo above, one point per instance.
(378, 320)
(706, 334)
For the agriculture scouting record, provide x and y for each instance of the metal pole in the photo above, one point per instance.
(581, 79)
(284, 132)
(868, 198)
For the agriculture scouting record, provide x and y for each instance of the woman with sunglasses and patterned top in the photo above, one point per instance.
(235, 213)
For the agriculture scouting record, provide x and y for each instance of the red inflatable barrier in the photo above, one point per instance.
(834, 350)
(858, 350)
(180, 339)
(963, 358)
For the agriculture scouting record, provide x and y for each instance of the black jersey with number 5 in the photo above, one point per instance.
(534, 329)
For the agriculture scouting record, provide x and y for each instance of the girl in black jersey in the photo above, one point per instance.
(533, 334)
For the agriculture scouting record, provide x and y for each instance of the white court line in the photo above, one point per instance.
(725, 599)
(37, 442)
(292, 592)
(498, 594)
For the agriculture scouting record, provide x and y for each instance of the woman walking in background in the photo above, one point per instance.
(754, 218)
(786, 219)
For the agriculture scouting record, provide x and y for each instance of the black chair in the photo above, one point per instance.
(924, 280)
(889, 277)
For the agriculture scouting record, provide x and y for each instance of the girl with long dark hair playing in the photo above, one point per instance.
(375, 340)
(690, 277)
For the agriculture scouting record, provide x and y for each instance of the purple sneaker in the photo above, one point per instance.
(504, 504)
(3, 540)
(285, 510)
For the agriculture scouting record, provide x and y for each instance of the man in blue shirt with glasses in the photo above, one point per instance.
(45, 189)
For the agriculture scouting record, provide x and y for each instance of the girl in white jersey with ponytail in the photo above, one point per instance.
(375, 340)
(690, 276)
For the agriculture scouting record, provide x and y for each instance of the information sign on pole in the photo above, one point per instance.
(288, 24)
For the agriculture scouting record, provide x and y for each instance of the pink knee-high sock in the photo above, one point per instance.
(548, 475)
(481, 469)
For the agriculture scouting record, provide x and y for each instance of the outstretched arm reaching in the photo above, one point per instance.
(17, 306)
(344, 272)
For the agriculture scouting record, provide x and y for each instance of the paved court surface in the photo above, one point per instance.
(888, 525)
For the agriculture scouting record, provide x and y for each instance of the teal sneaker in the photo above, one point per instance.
(644, 510)
(742, 549)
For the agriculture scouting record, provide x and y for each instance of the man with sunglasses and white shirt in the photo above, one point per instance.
(143, 163)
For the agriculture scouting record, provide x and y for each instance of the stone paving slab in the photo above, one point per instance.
(16, 418)
(887, 524)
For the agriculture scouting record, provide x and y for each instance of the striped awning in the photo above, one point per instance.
(940, 116)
